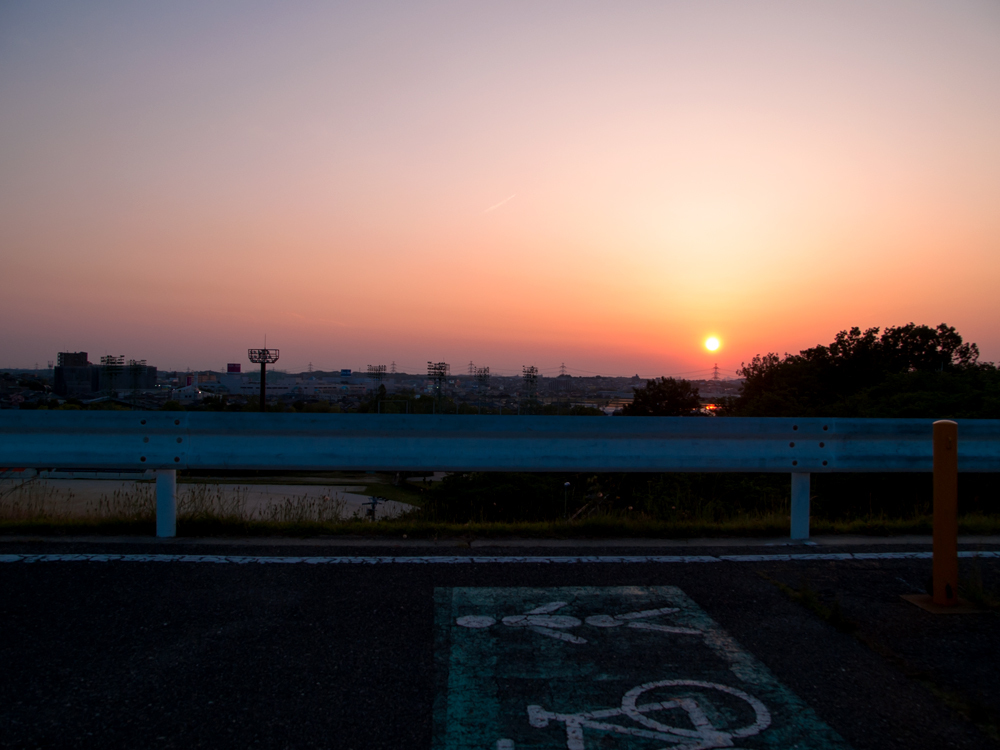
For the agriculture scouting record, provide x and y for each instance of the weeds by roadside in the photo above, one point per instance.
(38, 506)
(328, 508)
(136, 504)
(294, 521)
(809, 599)
(25, 500)
(213, 508)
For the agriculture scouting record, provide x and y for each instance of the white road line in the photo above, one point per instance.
(463, 560)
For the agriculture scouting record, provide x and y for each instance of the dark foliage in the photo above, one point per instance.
(486, 497)
(907, 371)
(839, 497)
(496, 497)
(664, 397)
(684, 497)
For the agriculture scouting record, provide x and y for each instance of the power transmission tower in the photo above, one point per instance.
(715, 372)
(562, 369)
(393, 370)
(472, 369)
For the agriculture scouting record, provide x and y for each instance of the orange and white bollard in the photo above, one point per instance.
(945, 513)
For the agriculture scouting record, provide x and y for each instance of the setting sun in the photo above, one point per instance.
(712, 344)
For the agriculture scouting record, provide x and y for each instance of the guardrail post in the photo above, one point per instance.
(166, 502)
(945, 562)
(800, 505)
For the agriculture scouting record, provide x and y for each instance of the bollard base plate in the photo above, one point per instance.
(926, 602)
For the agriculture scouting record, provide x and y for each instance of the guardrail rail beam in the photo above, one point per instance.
(168, 441)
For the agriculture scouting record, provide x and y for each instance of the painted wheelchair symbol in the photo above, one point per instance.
(701, 736)
(541, 620)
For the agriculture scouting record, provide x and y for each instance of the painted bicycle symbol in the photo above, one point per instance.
(702, 734)
(541, 620)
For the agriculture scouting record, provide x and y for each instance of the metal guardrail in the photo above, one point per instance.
(166, 441)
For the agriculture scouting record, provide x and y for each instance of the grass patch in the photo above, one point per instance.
(401, 493)
(300, 519)
(806, 597)
(224, 508)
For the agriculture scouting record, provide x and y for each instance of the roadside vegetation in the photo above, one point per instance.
(483, 505)
(905, 371)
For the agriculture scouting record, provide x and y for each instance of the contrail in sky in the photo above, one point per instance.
(494, 208)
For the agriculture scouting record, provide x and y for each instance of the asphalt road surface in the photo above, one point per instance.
(296, 647)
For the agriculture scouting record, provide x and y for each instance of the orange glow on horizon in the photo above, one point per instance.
(446, 200)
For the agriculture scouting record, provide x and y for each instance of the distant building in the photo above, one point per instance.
(187, 395)
(76, 376)
(72, 359)
(232, 380)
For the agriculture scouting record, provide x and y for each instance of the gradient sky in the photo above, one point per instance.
(600, 184)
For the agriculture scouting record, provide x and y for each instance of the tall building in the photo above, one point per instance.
(76, 376)
(72, 359)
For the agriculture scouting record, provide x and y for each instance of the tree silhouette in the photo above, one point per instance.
(904, 371)
(664, 397)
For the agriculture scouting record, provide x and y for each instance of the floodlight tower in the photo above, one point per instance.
(377, 374)
(264, 357)
(530, 375)
(438, 373)
(482, 383)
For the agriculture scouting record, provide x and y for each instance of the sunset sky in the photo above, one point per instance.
(601, 184)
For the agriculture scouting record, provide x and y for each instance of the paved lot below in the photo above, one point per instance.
(700, 651)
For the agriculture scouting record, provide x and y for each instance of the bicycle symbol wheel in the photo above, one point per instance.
(702, 726)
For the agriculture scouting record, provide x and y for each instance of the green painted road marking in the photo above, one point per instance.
(584, 668)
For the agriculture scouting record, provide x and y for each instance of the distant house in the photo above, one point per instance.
(189, 394)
